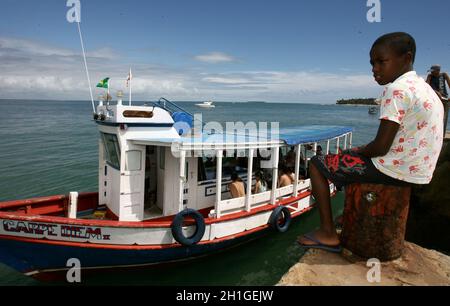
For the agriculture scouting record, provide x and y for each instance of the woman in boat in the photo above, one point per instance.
(261, 184)
(287, 177)
(237, 186)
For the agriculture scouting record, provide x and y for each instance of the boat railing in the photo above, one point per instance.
(172, 108)
(247, 203)
(53, 205)
(238, 204)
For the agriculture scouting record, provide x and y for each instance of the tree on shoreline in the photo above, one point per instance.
(370, 101)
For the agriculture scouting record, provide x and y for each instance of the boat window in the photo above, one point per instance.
(112, 150)
(133, 161)
(137, 114)
(207, 167)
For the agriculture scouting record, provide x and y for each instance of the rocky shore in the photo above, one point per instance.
(417, 267)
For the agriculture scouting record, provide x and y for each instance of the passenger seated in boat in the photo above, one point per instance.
(261, 184)
(290, 158)
(237, 186)
(406, 148)
(319, 150)
(286, 178)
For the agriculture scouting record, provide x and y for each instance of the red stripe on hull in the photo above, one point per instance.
(154, 223)
(137, 247)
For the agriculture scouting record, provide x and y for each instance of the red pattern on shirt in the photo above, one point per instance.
(413, 169)
(427, 105)
(398, 94)
(421, 125)
(398, 162)
(423, 143)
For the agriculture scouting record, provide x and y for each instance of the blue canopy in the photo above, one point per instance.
(310, 134)
(290, 136)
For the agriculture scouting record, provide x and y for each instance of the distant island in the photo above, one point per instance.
(370, 101)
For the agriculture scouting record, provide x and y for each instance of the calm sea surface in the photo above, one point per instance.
(50, 148)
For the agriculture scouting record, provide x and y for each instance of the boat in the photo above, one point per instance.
(159, 199)
(207, 104)
(373, 110)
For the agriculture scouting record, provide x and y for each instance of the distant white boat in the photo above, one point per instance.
(373, 110)
(207, 104)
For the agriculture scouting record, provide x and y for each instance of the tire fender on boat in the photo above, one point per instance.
(177, 227)
(277, 214)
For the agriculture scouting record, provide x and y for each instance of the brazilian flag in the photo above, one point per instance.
(104, 83)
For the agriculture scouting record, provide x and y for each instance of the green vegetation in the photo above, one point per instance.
(370, 101)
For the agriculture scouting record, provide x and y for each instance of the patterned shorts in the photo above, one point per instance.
(350, 167)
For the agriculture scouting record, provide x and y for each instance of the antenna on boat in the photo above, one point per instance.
(74, 15)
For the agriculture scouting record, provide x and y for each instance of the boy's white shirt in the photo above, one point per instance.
(412, 103)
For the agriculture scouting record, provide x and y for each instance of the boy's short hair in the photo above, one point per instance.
(400, 42)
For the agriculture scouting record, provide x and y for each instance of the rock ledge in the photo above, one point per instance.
(417, 267)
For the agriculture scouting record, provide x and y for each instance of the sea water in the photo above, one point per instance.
(51, 147)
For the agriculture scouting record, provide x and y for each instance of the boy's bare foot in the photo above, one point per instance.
(324, 238)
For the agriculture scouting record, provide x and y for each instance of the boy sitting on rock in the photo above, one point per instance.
(406, 148)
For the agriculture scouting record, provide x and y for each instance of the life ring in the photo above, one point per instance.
(177, 227)
(279, 214)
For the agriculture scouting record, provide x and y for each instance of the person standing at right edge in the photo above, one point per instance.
(437, 80)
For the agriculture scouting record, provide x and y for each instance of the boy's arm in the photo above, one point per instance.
(383, 142)
(447, 78)
(429, 79)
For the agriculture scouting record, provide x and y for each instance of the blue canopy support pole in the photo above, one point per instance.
(345, 141)
(275, 158)
(328, 147)
(182, 179)
(306, 161)
(298, 153)
(351, 139)
(337, 146)
(248, 197)
(219, 157)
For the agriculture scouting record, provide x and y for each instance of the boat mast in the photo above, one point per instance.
(74, 15)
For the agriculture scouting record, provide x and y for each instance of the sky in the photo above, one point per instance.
(222, 50)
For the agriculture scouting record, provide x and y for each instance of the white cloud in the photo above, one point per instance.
(33, 48)
(34, 70)
(215, 58)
